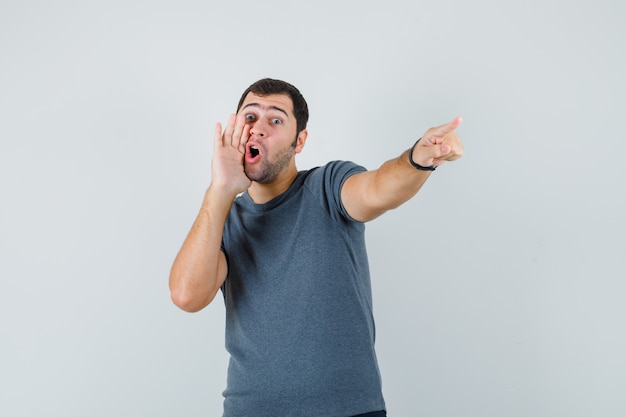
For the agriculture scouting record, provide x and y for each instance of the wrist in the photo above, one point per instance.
(220, 194)
(415, 164)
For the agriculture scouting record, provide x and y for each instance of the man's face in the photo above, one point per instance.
(272, 144)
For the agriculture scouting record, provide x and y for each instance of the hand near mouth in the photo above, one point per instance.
(228, 153)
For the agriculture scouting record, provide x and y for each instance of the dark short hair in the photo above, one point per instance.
(268, 86)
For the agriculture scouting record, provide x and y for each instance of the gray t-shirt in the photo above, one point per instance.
(299, 323)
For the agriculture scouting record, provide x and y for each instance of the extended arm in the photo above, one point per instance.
(369, 194)
(200, 267)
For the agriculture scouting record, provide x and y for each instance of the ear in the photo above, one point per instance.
(301, 140)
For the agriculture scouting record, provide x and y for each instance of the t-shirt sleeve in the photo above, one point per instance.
(330, 179)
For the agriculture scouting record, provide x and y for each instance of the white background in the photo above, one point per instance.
(499, 290)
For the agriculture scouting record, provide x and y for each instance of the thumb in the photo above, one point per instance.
(444, 149)
(437, 151)
(426, 154)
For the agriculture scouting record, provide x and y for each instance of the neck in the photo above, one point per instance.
(262, 193)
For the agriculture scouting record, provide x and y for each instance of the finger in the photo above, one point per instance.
(447, 128)
(218, 140)
(228, 133)
(238, 131)
(432, 153)
(245, 135)
(449, 152)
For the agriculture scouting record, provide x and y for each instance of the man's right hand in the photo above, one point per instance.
(200, 268)
(229, 149)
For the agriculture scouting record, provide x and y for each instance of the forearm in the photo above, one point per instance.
(198, 270)
(369, 194)
(395, 182)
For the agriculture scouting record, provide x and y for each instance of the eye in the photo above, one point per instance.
(276, 121)
(249, 117)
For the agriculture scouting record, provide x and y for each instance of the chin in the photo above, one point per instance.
(258, 176)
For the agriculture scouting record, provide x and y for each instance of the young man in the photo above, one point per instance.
(287, 250)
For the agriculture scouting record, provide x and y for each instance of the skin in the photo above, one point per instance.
(268, 122)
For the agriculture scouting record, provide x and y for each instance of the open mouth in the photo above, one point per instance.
(253, 153)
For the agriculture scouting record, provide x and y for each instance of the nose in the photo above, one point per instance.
(256, 132)
(257, 129)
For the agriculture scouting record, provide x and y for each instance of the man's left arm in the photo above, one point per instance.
(369, 194)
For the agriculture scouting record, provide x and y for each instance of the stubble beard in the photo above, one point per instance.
(266, 172)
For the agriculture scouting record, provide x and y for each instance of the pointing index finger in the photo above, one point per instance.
(448, 127)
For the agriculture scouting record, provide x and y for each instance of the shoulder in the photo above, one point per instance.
(325, 183)
(334, 171)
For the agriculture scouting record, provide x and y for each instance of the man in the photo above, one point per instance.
(287, 250)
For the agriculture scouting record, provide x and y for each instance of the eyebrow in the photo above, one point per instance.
(269, 107)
